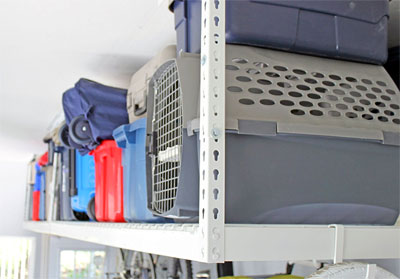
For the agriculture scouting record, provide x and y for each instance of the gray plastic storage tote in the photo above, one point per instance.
(308, 140)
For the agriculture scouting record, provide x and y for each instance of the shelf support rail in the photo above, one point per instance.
(212, 132)
(339, 243)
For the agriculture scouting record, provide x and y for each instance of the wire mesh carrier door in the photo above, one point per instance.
(308, 140)
(167, 127)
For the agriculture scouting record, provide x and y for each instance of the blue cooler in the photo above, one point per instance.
(84, 181)
(132, 139)
(352, 30)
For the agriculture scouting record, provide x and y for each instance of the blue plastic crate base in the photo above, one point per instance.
(84, 181)
(351, 30)
(132, 139)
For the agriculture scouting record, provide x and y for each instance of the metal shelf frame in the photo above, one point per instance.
(241, 242)
(212, 240)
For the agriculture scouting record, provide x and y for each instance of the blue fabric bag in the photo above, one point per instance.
(103, 107)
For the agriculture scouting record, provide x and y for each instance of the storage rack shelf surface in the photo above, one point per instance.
(242, 242)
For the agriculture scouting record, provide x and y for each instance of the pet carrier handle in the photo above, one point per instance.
(139, 111)
(153, 143)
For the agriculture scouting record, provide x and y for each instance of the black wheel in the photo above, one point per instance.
(79, 130)
(171, 268)
(63, 135)
(91, 210)
(80, 216)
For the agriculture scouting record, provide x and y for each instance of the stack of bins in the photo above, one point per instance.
(39, 189)
(42, 163)
(132, 139)
(109, 182)
(36, 194)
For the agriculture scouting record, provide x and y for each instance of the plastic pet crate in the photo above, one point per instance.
(308, 140)
(132, 139)
(109, 182)
(137, 93)
(84, 191)
(92, 112)
(354, 30)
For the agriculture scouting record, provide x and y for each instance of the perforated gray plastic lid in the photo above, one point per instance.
(310, 95)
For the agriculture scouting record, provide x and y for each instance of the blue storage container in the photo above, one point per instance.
(132, 139)
(353, 30)
(42, 201)
(40, 183)
(38, 178)
(84, 181)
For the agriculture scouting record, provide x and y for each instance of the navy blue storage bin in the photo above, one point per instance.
(102, 107)
(132, 139)
(353, 30)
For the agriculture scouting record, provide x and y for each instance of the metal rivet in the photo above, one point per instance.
(203, 60)
(215, 133)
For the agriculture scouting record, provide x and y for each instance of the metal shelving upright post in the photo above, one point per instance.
(212, 131)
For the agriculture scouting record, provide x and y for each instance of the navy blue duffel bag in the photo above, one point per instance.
(92, 112)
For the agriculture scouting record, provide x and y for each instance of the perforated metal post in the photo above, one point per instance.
(212, 131)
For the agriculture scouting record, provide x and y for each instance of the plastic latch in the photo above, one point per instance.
(140, 110)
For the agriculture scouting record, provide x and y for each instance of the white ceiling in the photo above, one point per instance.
(47, 45)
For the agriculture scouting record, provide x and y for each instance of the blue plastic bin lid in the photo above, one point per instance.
(370, 11)
(38, 179)
(124, 133)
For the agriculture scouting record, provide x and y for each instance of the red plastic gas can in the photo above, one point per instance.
(109, 185)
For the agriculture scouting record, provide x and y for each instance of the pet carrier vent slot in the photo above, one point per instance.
(300, 93)
(167, 125)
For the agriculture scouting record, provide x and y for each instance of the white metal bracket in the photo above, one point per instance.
(212, 131)
(339, 243)
(371, 271)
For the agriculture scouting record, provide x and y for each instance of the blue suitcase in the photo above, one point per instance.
(92, 112)
(353, 30)
(132, 139)
(84, 192)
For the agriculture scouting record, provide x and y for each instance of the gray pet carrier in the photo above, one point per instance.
(308, 140)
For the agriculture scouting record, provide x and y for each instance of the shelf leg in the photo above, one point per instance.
(339, 243)
(212, 132)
